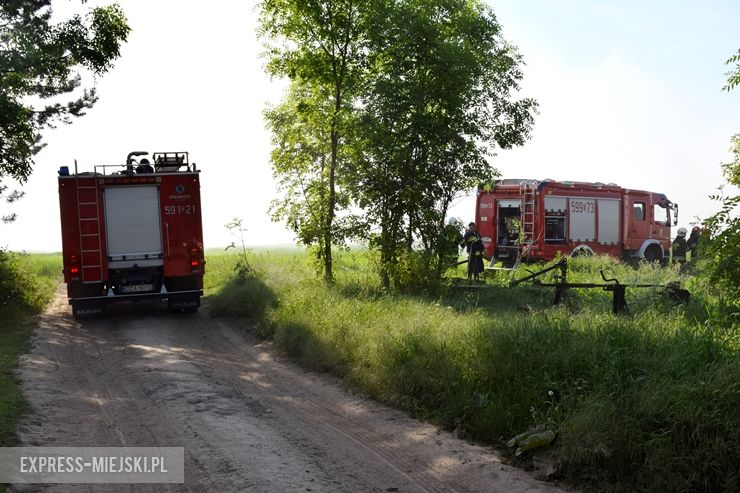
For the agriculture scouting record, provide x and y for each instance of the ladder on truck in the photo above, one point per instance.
(88, 216)
(528, 192)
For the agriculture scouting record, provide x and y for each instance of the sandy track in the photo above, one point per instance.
(249, 421)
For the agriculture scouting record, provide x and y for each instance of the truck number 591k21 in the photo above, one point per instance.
(170, 210)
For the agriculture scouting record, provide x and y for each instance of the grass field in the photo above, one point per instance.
(646, 401)
(27, 284)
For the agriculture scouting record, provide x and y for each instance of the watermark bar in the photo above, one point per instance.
(92, 464)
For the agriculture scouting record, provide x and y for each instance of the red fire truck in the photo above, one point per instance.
(133, 231)
(531, 220)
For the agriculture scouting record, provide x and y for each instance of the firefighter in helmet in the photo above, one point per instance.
(693, 242)
(474, 246)
(679, 246)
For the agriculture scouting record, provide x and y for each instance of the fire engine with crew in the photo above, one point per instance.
(133, 231)
(532, 220)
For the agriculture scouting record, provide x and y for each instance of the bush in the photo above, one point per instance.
(415, 272)
(724, 226)
(20, 287)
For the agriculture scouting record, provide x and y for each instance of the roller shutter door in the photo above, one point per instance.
(132, 222)
(609, 221)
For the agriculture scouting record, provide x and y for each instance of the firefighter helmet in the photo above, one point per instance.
(681, 232)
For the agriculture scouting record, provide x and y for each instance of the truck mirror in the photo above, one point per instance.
(675, 214)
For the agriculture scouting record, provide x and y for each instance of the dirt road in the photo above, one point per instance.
(249, 420)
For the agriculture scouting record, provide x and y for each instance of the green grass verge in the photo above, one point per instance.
(647, 401)
(27, 284)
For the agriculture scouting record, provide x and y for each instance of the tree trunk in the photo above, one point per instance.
(410, 234)
(332, 199)
(440, 242)
(331, 202)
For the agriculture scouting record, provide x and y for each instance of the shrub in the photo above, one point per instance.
(20, 287)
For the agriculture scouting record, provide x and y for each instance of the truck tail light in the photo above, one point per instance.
(195, 259)
(74, 269)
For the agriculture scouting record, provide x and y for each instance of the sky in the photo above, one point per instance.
(629, 93)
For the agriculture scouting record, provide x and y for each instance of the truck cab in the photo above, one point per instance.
(648, 219)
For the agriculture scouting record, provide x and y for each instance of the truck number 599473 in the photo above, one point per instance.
(170, 210)
(581, 207)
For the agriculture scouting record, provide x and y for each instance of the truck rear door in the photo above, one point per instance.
(132, 223)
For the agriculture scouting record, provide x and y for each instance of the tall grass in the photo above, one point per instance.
(647, 401)
(27, 284)
(27, 281)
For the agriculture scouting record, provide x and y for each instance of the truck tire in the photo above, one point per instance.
(183, 304)
(582, 251)
(85, 309)
(653, 253)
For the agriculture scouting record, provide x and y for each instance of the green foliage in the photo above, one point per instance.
(317, 45)
(14, 336)
(723, 249)
(9, 197)
(247, 297)
(633, 399)
(27, 283)
(437, 101)
(39, 61)
(20, 287)
(301, 161)
(733, 76)
(237, 229)
(414, 271)
(393, 106)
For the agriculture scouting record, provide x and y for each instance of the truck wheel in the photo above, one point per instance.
(582, 251)
(81, 311)
(653, 254)
(188, 304)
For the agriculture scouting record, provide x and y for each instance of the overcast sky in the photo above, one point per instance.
(629, 92)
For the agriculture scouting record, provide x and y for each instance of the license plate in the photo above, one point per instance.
(137, 288)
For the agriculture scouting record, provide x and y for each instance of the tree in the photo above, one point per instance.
(39, 64)
(393, 106)
(301, 158)
(724, 226)
(317, 45)
(437, 102)
(40, 60)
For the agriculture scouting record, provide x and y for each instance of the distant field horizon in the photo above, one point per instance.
(211, 249)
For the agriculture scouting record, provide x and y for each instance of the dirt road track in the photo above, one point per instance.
(249, 421)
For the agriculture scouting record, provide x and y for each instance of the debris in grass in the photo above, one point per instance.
(531, 439)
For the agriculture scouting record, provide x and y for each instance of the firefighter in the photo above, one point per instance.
(679, 246)
(144, 167)
(693, 242)
(474, 246)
